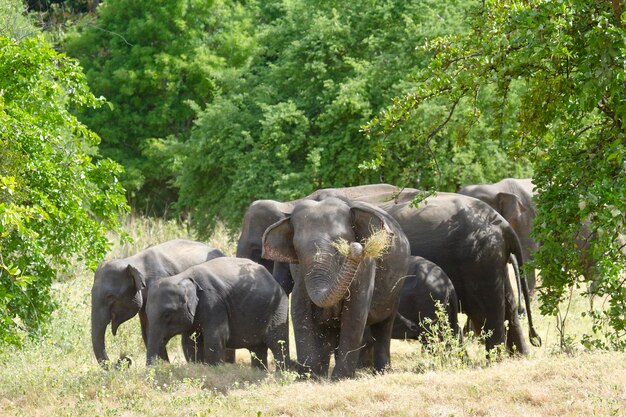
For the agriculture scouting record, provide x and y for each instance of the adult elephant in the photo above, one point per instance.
(263, 213)
(513, 199)
(337, 293)
(232, 302)
(119, 288)
(472, 243)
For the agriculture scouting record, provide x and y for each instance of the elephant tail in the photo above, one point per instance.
(453, 314)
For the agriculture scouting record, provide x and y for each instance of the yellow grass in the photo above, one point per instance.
(374, 246)
(58, 376)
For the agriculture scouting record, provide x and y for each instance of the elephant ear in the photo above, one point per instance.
(137, 276)
(191, 289)
(367, 219)
(278, 242)
(510, 206)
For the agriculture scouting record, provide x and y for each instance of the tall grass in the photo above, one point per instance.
(59, 376)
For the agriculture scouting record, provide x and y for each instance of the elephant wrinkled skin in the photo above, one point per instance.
(119, 288)
(472, 243)
(513, 199)
(336, 294)
(231, 302)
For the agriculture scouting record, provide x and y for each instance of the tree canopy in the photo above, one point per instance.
(567, 62)
(154, 62)
(292, 122)
(56, 201)
(215, 104)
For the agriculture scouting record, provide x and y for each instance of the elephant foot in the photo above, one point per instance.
(124, 361)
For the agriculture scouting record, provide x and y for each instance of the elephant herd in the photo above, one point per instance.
(361, 264)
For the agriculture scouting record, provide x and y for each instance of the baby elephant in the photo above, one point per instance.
(231, 302)
(425, 284)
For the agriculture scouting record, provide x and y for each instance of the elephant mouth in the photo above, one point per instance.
(375, 246)
(114, 323)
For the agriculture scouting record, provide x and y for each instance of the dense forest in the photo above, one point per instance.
(193, 109)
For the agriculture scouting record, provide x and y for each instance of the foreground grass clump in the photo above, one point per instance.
(59, 374)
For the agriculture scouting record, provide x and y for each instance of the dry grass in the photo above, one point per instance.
(373, 247)
(58, 376)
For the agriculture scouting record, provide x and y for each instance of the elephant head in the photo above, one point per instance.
(512, 198)
(310, 236)
(171, 310)
(116, 296)
(346, 276)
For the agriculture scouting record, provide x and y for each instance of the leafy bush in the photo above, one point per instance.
(56, 202)
(154, 61)
(566, 60)
(292, 121)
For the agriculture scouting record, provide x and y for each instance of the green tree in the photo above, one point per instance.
(292, 122)
(56, 202)
(153, 61)
(567, 61)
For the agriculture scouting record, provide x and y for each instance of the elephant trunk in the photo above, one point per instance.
(100, 319)
(327, 289)
(154, 347)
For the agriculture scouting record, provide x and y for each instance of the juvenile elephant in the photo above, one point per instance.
(232, 302)
(472, 243)
(513, 199)
(119, 287)
(263, 213)
(337, 293)
(424, 286)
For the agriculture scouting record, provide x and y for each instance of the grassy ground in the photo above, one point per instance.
(58, 376)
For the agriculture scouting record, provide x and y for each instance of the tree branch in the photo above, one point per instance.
(617, 10)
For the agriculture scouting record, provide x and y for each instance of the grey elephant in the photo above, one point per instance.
(232, 302)
(425, 285)
(263, 213)
(472, 243)
(338, 292)
(513, 199)
(119, 288)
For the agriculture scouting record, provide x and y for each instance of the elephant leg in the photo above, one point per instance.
(278, 343)
(313, 352)
(230, 355)
(258, 356)
(353, 319)
(215, 336)
(214, 350)
(381, 333)
(143, 321)
(515, 342)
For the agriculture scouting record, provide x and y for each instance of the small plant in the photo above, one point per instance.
(446, 348)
